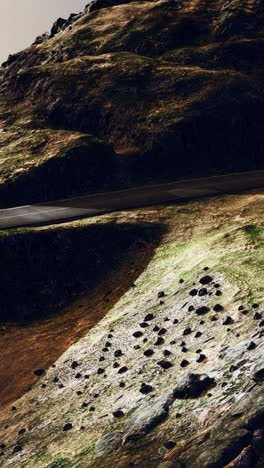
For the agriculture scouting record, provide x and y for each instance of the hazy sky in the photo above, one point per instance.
(21, 21)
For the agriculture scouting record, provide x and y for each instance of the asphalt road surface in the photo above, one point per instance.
(93, 205)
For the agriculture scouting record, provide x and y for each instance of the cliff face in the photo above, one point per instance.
(174, 87)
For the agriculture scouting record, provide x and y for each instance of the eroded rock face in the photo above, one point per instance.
(192, 385)
(108, 443)
(146, 417)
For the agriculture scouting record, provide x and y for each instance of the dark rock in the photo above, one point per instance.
(218, 293)
(202, 310)
(187, 331)
(136, 347)
(159, 341)
(122, 384)
(173, 342)
(110, 336)
(74, 364)
(251, 346)
(137, 334)
(108, 443)
(165, 364)
(255, 306)
(214, 318)
(257, 316)
(202, 292)
(39, 372)
(192, 385)
(161, 294)
(227, 320)
(57, 26)
(118, 353)
(205, 268)
(148, 352)
(166, 319)
(22, 431)
(169, 445)
(105, 350)
(241, 307)
(67, 427)
(108, 344)
(102, 358)
(181, 281)
(233, 368)
(78, 375)
(198, 334)
(175, 321)
(92, 408)
(201, 358)
(184, 350)
(56, 379)
(79, 393)
(118, 414)
(190, 308)
(184, 363)
(206, 279)
(17, 449)
(261, 324)
(161, 302)
(156, 328)
(144, 325)
(116, 365)
(123, 370)
(193, 292)
(166, 352)
(148, 317)
(218, 308)
(145, 388)
(162, 331)
(145, 340)
(245, 312)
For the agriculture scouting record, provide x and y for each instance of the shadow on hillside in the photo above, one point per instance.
(85, 269)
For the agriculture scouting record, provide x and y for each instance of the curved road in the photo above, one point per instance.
(92, 205)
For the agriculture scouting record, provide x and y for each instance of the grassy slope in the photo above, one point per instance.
(224, 234)
(177, 83)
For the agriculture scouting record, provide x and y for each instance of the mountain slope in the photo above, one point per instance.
(174, 87)
(172, 376)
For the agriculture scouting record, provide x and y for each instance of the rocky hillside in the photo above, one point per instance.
(172, 376)
(133, 91)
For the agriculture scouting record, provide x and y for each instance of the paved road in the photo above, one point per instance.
(92, 205)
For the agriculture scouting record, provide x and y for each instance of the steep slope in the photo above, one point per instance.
(175, 87)
(173, 375)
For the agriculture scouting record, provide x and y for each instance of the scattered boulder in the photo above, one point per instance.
(187, 331)
(206, 279)
(227, 320)
(161, 294)
(202, 310)
(138, 334)
(169, 445)
(108, 443)
(159, 341)
(118, 353)
(148, 317)
(39, 372)
(202, 292)
(184, 363)
(190, 308)
(257, 316)
(144, 325)
(201, 358)
(251, 346)
(193, 292)
(162, 331)
(118, 413)
(145, 388)
(198, 334)
(165, 364)
(122, 370)
(67, 427)
(218, 292)
(192, 385)
(148, 352)
(218, 308)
